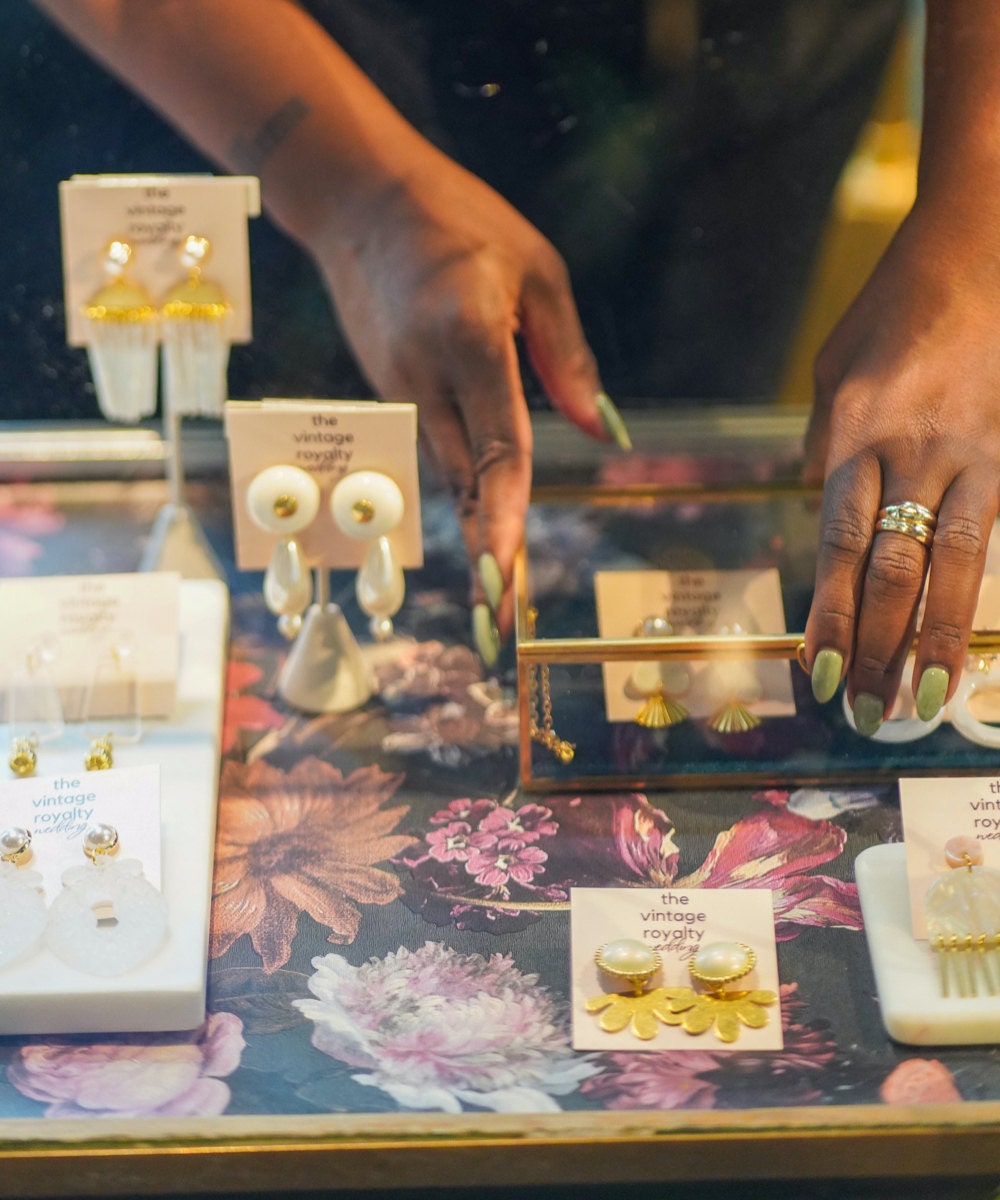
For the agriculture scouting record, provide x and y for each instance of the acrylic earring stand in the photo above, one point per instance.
(324, 670)
(176, 541)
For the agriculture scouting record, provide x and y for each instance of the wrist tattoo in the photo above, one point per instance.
(248, 154)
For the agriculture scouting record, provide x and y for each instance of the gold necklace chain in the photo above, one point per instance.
(538, 683)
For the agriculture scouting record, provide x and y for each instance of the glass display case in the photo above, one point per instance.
(668, 649)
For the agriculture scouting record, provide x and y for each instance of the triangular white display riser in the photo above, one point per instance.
(324, 671)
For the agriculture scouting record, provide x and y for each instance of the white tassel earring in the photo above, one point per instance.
(284, 500)
(196, 317)
(122, 341)
(367, 506)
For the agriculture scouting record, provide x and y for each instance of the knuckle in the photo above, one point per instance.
(894, 568)
(549, 268)
(845, 536)
(463, 495)
(826, 376)
(491, 449)
(833, 619)
(962, 537)
(468, 329)
(872, 665)
(946, 639)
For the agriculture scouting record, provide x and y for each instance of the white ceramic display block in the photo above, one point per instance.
(41, 994)
(906, 971)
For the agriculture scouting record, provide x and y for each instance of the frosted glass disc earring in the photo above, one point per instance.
(121, 340)
(196, 317)
(23, 915)
(367, 506)
(962, 907)
(285, 500)
(109, 919)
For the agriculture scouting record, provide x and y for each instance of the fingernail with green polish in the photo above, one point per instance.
(613, 422)
(485, 634)
(826, 674)
(491, 579)
(931, 691)
(868, 713)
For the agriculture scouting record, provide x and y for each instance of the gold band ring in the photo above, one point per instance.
(918, 530)
(909, 511)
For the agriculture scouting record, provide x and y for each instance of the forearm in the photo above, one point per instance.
(262, 89)
(960, 151)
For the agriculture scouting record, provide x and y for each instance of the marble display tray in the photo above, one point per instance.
(40, 994)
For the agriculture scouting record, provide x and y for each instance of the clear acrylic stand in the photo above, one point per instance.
(176, 541)
(324, 670)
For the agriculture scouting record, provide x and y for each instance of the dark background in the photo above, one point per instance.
(686, 185)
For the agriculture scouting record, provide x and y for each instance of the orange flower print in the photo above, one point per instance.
(304, 840)
(243, 710)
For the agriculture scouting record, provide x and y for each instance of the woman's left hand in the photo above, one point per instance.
(907, 410)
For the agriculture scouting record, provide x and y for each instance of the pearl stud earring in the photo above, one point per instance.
(285, 500)
(367, 506)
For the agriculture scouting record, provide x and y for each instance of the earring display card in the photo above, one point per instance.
(43, 995)
(79, 621)
(58, 809)
(696, 603)
(934, 811)
(154, 213)
(329, 439)
(675, 922)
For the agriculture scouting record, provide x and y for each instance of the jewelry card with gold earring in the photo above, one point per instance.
(674, 969)
(158, 258)
(728, 691)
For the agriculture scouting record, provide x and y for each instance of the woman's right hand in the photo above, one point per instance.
(433, 281)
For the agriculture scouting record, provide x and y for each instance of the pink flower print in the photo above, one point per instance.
(435, 1029)
(450, 844)
(662, 1079)
(155, 1076)
(774, 850)
(495, 865)
(920, 1081)
(526, 824)
(27, 515)
(463, 810)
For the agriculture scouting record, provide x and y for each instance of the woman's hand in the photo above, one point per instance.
(907, 409)
(432, 281)
(431, 272)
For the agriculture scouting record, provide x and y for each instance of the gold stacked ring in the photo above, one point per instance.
(909, 518)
